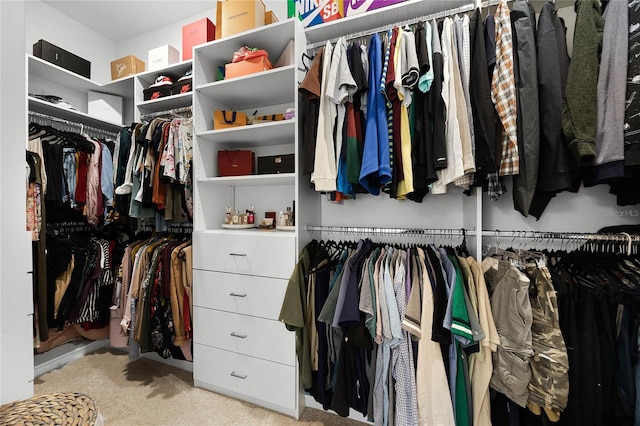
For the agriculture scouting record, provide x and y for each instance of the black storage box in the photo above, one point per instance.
(67, 60)
(157, 92)
(274, 164)
(179, 87)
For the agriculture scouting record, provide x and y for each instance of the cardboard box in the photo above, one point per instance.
(123, 67)
(269, 17)
(236, 16)
(249, 66)
(104, 106)
(310, 13)
(60, 57)
(356, 7)
(195, 33)
(163, 56)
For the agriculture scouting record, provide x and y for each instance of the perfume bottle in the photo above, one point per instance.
(289, 217)
(227, 216)
(251, 217)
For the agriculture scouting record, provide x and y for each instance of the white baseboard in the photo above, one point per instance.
(64, 354)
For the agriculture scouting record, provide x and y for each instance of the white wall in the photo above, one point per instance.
(16, 344)
(45, 22)
(172, 34)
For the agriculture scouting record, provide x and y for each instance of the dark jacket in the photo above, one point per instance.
(484, 112)
(553, 172)
(523, 19)
(579, 118)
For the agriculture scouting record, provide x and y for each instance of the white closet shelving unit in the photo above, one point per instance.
(240, 276)
(165, 103)
(50, 79)
(46, 78)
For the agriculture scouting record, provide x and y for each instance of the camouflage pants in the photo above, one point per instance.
(549, 384)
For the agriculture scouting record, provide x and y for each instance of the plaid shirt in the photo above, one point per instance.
(495, 186)
(503, 92)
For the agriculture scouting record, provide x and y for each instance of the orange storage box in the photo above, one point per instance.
(248, 66)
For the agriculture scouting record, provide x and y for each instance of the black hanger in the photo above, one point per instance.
(309, 58)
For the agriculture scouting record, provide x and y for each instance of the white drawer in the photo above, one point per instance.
(248, 253)
(244, 294)
(240, 374)
(257, 337)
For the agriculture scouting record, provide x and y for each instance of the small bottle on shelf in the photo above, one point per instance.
(251, 217)
(289, 217)
(228, 219)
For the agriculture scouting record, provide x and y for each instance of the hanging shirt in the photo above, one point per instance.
(612, 87)
(375, 170)
(463, 49)
(503, 92)
(340, 89)
(422, 133)
(406, 404)
(455, 165)
(309, 110)
(405, 75)
(524, 28)
(324, 166)
(94, 205)
(434, 400)
(579, 117)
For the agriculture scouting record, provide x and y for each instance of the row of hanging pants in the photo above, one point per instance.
(428, 335)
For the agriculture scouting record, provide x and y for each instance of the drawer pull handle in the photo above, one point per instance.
(237, 254)
(239, 376)
(240, 336)
(238, 294)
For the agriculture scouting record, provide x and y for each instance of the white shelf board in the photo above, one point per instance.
(389, 15)
(165, 103)
(48, 71)
(273, 133)
(74, 116)
(272, 38)
(250, 91)
(252, 180)
(255, 232)
(177, 70)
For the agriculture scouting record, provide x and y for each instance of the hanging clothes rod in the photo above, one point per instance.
(373, 230)
(575, 236)
(414, 20)
(384, 28)
(82, 127)
(170, 112)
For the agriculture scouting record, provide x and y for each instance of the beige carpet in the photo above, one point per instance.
(145, 392)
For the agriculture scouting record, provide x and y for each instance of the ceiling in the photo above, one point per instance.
(132, 17)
